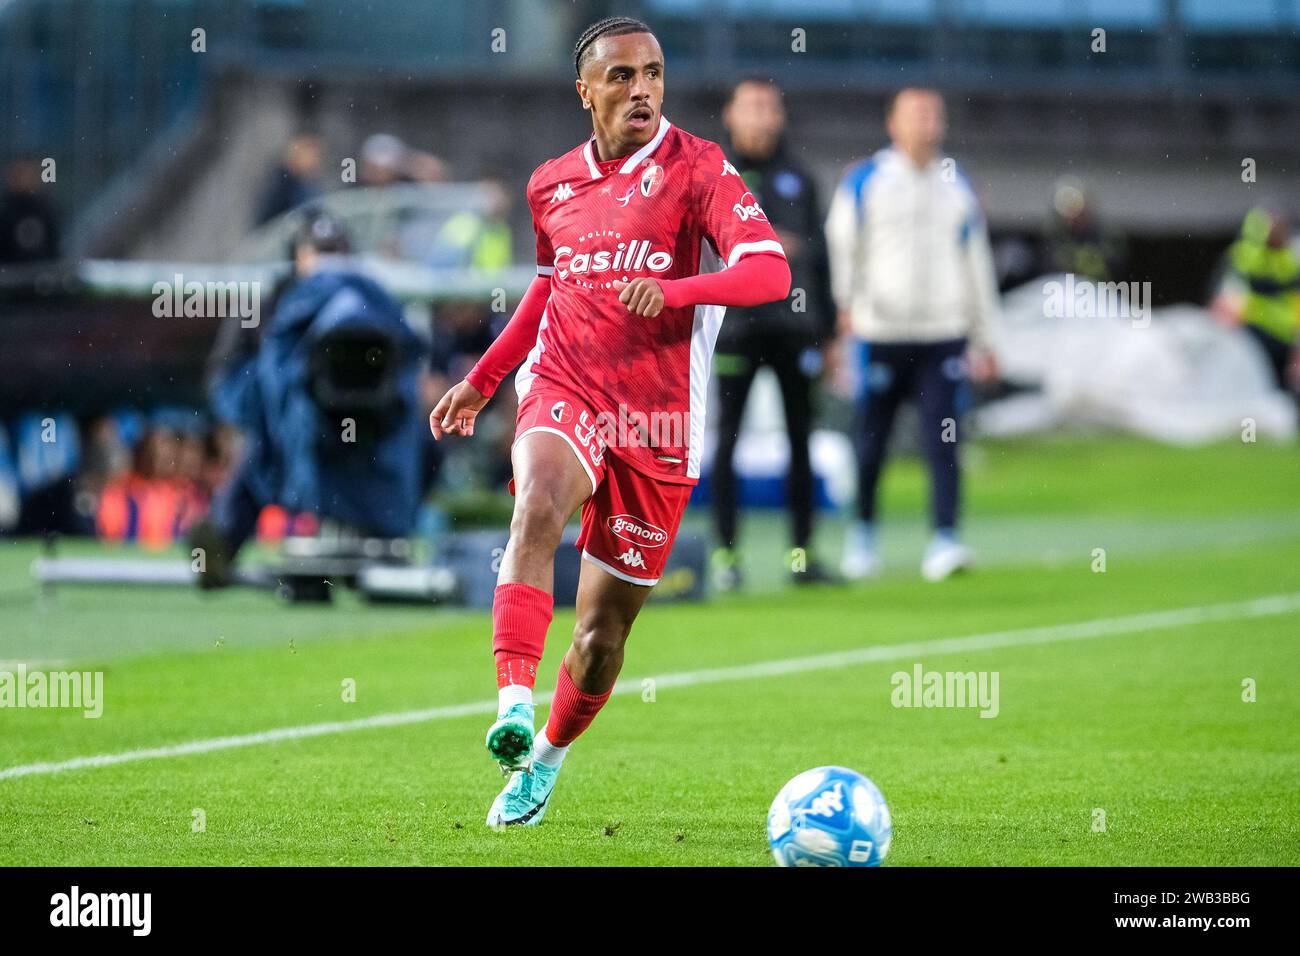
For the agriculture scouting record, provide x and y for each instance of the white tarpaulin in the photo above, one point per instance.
(1173, 374)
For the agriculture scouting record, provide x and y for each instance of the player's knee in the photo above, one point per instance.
(539, 516)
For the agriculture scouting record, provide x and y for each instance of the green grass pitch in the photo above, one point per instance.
(1145, 728)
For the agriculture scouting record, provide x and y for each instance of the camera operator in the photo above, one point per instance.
(327, 400)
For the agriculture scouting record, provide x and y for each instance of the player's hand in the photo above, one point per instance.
(832, 360)
(840, 375)
(642, 296)
(455, 412)
(983, 366)
(1227, 310)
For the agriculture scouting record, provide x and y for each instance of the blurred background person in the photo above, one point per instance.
(298, 178)
(914, 282)
(1260, 291)
(424, 167)
(155, 501)
(473, 239)
(47, 455)
(387, 160)
(784, 336)
(107, 458)
(383, 160)
(1075, 241)
(29, 226)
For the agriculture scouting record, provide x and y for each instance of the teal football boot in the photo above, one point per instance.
(523, 801)
(510, 739)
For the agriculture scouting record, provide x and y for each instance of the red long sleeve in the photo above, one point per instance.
(753, 280)
(515, 341)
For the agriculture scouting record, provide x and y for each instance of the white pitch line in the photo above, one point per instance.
(1272, 606)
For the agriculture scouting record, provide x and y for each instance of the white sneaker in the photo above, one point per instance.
(861, 559)
(943, 558)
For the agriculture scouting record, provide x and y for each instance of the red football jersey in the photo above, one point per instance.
(674, 208)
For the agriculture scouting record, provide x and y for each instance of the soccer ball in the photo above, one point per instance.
(830, 816)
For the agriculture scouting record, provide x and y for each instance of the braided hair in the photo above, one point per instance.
(609, 27)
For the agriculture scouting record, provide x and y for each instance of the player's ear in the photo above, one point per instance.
(581, 87)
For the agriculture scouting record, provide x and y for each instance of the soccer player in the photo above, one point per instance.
(644, 234)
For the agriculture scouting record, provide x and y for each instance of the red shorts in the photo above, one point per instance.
(630, 521)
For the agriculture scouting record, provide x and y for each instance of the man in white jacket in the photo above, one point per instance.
(912, 276)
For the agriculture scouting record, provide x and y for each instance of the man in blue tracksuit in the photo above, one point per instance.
(913, 280)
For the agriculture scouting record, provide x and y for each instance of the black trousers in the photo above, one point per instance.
(736, 361)
(235, 508)
(1277, 351)
(931, 373)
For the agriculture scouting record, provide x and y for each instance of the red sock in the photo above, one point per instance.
(572, 711)
(521, 614)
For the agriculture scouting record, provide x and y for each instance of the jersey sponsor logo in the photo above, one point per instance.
(562, 192)
(562, 413)
(631, 256)
(632, 558)
(634, 529)
(748, 208)
(652, 179)
(728, 168)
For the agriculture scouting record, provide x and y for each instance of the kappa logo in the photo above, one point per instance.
(632, 558)
(748, 208)
(633, 529)
(652, 179)
(728, 168)
(562, 413)
(828, 802)
(562, 192)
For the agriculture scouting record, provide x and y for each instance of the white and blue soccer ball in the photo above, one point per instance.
(829, 816)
